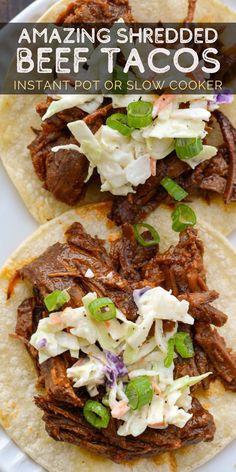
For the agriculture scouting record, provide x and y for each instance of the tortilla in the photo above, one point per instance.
(17, 134)
(22, 419)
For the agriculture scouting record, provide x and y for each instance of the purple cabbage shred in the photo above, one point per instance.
(137, 293)
(42, 343)
(224, 97)
(115, 368)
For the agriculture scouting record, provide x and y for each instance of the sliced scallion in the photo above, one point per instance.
(173, 189)
(56, 300)
(96, 414)
(140, 114)
(102, 309)
(170, 353)
(146, 242)
(118, 121)
(186, 148)
(139, 392)
(184, 345)
(182, 217)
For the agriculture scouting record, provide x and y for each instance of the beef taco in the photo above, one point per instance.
(188, 139)
(116, 342)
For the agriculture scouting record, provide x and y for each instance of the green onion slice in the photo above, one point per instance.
(56, 300)
(102, 309)
(96, 414)
(186, 148)
(170, 353)
(184, 345)
(140, 114)
(139, 392)
(174, 190)
(118, 121)
(155, 236)
(182, 217)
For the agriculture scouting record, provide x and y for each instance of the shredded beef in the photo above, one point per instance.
(65, 171)
(57, 258)
(24, 324)
(92, 11)
(78, 237)
(96, 119)
(63, 265)
(223, 360)
(181, 270)
(41, 146)
(228, 133)
(105, 282)
(76, 294)
(185, 367)
(210, 175)
(57, 384)
(191, 11)
(60, 119)
(203, 366)
(129, 256)
(181, 267)
(67, 424)
(200, 308)
(197, 365)
(215, 183)
(199, 298)
(134, 207)
(209, 314)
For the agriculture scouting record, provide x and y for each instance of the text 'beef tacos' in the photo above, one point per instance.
(70, 153)
(131, 359)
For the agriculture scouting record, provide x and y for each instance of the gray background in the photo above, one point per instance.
(10, 8)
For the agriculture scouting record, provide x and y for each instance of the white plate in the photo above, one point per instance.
(16, 225)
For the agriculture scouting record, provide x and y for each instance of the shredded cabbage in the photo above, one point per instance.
(67, 147)
(157, 416)
(82, 328)
(89, 373)
(157, 303)
(119, 350)
(171, 406)
(87, 103)
(186, 381)
(207, 153)
(123, 162)
(120, 161)
(50, 339)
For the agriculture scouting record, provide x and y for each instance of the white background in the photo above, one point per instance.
(16, 224)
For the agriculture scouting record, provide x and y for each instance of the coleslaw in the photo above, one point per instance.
(113, 353)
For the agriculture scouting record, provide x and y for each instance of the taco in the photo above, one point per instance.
(131, 360)
(56, 168)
